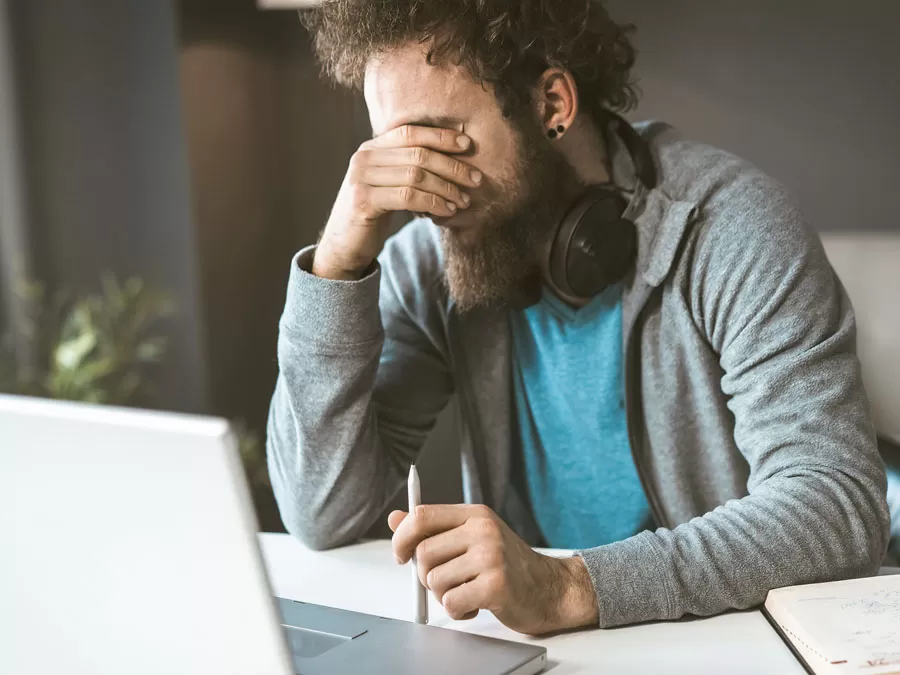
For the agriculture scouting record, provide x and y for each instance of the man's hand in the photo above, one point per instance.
(470, 559)
(410, 168)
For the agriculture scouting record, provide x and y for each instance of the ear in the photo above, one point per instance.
(556, 99)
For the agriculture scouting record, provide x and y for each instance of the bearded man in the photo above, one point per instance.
(653, 359)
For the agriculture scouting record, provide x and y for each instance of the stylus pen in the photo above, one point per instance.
(420, 593)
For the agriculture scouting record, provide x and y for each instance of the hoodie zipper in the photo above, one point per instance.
(470, 421)
(631, 413)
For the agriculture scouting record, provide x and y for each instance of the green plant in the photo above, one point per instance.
(253, 455)
(98, 348)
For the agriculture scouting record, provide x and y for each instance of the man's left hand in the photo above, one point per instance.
(471, 560)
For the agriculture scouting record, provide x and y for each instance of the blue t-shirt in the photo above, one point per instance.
(576, 470)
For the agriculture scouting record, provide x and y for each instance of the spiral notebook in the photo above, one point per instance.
(841, 627)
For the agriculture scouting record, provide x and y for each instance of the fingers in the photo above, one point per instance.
(417, 177)
(383, 199)
(454, 571)
(409, 135)
(444, 166)
(439, 551)
(465, 600)
(395, 518)
(411, 169)
(428, 520)
(457, 554)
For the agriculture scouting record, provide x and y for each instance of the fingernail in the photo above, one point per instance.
(451, 206)
(476, 175)
(462, 141)
(397, 560)
(466, 199)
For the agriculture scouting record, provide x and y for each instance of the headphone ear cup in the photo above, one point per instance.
(600, 254)
(594, 246)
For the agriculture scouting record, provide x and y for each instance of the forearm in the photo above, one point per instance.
(329, 476)
(320, 427)
(793, 529)
(359, 389)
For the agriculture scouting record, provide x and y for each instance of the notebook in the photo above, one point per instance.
(841, 627)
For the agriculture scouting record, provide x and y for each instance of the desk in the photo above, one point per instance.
(365, 578)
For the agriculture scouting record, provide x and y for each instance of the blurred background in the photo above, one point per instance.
(161, 162)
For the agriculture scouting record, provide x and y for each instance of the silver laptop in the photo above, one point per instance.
(128, 545)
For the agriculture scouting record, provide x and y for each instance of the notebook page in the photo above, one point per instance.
(857, 621)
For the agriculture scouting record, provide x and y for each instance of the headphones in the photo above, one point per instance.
(594, 246)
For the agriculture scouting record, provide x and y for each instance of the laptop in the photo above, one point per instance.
(128, 545)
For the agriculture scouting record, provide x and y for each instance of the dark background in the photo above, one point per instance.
(193, 143)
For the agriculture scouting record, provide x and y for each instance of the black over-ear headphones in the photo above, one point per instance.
(594, 246)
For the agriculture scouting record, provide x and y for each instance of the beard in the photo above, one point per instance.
(502, 264)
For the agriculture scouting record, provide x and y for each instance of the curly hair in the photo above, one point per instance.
(505, 43)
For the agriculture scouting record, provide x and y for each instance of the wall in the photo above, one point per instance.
(15, 247)
(807, 89)
(262, 167)
(106, 171)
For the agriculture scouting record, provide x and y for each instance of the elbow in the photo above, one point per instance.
(867, 545)
(848, 534)
(299, 519)
(312, 510)
(875, 522)
(312, 537)
(879, 540)
(294, 505)
(315, 529)
(315, 536)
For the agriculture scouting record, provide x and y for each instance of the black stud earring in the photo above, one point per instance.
(552, 133)
(560, 129)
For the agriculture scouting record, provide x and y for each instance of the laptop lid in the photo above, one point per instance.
(128, 545)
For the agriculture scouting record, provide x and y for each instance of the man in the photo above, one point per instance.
(697, 430)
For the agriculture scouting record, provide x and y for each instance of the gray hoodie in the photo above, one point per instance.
(747, 418)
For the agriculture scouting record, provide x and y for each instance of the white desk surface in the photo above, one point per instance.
(365, 578)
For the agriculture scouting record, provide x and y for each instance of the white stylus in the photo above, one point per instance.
(420, 593)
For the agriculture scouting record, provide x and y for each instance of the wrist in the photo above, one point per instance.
(327, 265)
(577, 600)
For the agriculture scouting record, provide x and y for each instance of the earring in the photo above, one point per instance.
(560, 129)
(552, 133)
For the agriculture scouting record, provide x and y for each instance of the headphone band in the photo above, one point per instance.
(638, 149)
(594, 246)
